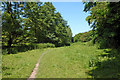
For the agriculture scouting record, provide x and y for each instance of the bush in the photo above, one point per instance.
(25, 47)
(42, 45)
(4, 51)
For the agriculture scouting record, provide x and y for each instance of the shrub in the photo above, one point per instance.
(25, 47)
(42, 45)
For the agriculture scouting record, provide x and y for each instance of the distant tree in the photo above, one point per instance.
(83, 37)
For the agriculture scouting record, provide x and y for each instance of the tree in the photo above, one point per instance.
(11, 23)
(47, 25)
(83, 37)
(104, 19)
(33, 22)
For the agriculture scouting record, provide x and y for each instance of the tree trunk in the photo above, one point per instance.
(9, 44)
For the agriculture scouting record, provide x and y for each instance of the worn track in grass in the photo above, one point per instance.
(34, 72)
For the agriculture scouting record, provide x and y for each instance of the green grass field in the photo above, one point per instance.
(76, 61)
(20, 65)
(68, 62)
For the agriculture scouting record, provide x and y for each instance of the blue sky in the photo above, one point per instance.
(73, 13)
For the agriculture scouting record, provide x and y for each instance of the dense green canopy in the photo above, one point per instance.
(83, 37)
(28, 22)
(105, 21)
(33, 22)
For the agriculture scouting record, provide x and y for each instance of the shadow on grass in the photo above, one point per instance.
(107, 65)
(5, 69)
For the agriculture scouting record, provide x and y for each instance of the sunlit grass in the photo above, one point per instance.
(68, 62)
(20, 65)
(79, 60)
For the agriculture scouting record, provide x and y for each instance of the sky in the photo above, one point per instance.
(73, 13)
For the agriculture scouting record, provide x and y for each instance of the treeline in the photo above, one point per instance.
(33, 22)
(105, 21)
(83, 37)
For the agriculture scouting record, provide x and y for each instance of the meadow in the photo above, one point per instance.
(80, 60)
(20, 65)
(68, 62)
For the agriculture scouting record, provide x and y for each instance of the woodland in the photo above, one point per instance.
(31, 28)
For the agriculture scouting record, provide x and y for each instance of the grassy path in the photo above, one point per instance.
(62, 62)
(33, 74)
(67, 62)
(20, 65)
